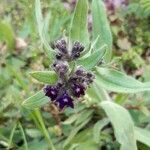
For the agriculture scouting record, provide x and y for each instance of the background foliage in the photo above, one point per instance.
(112, 115)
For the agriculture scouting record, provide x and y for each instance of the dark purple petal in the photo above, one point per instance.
(65, 100)
(51, 92)
(78, 90)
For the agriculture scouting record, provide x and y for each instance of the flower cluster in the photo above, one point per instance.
(72, 82)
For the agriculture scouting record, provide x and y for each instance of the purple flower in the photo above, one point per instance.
(51, 92)
(64, 100)
(78, 90)
(72, 82)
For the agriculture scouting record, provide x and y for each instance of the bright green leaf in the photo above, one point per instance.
(48, 77)
(101, 27)
(122, 124)
(35, 101)
(116, 81)
(79, 29)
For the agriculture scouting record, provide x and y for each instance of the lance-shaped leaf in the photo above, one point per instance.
(48, 77)
(116, 81)
(79, 29)
(97, 129)
(122, 124)
(92, 60)
(40, 27)
(35, 101)
(101, 27)
(143, 135)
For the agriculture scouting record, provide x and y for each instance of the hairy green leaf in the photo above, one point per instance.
(35, 101)
(122, 124)
(48, 77)
(98, 127)
(143, 135)
(79, 29)
(116, 81)
(92, 60)
(101, 27)
(40, 26)
(95, 93)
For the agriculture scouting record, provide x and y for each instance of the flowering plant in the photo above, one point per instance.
(82, 71)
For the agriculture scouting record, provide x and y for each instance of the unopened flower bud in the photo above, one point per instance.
(80, 72)
(76, 50)
(61, 45)
(60, 67)
(78, 47)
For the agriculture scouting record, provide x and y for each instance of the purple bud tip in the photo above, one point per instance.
(51, 92)
(76, 50)
(78, 47)
(78, 90)
(80, 72)
(64, 100)
(60, 67)
(61, 45)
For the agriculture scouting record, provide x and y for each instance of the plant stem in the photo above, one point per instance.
(23, 135)
(43, 128)
(11, 136)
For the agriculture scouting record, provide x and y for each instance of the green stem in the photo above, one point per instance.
(72, 66)
(24, 137)
(43, 128)
(11, 136)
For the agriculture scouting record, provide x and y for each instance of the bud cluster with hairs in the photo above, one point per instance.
(72, 82)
